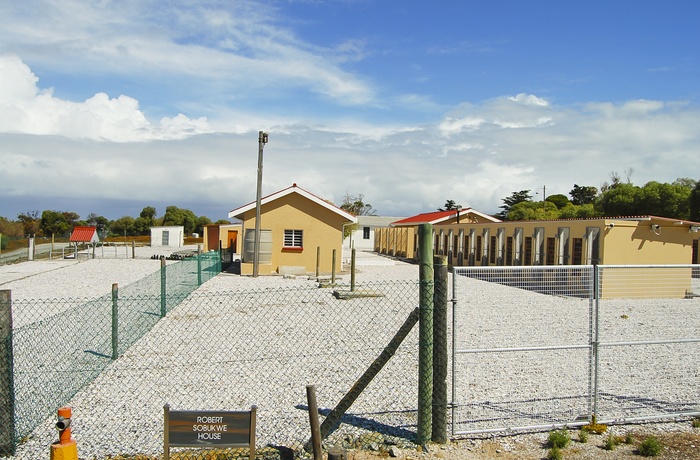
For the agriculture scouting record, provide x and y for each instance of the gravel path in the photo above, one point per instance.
(130, 394)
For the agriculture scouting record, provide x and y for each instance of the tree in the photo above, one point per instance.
(695, 203)
(619, 200)
(559, 200)
(176, 216)
(450, 205)
(123, 226)
(30, 222)
(54, 223)
(200, 223)
(71, 218)
(515, 198)
(355, 205)
(11, 229)
(583, 194)
(530, 210)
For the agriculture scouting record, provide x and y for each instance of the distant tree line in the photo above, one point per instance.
(61, 223)
(678, 200)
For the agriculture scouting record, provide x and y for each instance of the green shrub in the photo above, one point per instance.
(629, 439)
(650, 447)
(696, 422)
(554, 454)
(559, 438)
(583, 436)
(611, 442)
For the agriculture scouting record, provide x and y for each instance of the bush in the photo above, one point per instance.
(558, 439)
(696, 422)
(583, 436)
(611, 442)
(650, 447)
(554, 454)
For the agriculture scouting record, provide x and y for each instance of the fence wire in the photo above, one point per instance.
(215, 349)
(72, 341)
(540, 347)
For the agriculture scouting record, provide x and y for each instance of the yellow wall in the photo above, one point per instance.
(321, 228)
(626, 242)
(222, 238)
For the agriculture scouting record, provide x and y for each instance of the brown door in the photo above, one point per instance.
(233, 241)
(212, 239)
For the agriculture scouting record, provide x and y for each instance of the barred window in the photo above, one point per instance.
(365, 233)
(293, 239)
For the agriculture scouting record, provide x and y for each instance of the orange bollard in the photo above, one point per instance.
(66, 448)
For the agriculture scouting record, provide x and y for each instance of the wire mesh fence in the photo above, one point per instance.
(533, 347)
(72, 341)
(539, 347)
(214, 349)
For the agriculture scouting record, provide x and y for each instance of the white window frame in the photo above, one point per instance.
(294, 238)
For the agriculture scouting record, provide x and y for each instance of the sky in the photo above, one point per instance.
(107, 107)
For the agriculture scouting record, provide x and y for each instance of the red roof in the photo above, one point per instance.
(426, 218)
(438, 217)
(84, 235)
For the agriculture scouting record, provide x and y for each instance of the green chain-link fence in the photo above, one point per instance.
(72, 341)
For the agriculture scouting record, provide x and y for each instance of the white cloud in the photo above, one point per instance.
(26, 109)
(476, 154)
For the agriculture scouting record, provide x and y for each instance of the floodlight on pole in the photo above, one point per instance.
(262, 140)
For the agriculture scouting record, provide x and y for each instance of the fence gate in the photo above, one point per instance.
(521, 347)
(547, 346)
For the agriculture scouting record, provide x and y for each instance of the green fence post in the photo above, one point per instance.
(439, 434)
(115, 321)
(199, 265)
(7, 388)
(163, 291)
(352, 271)
(425, 333)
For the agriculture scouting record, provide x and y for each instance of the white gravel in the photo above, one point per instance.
(193, 358)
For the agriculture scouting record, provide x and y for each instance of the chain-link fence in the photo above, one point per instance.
(216, 348)
(62, 345)
(538, 347)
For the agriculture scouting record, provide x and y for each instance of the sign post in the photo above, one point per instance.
(204, 429)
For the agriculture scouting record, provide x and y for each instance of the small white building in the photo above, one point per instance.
(173, 237)
(362, 236)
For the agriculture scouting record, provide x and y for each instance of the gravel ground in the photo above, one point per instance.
(116, 394)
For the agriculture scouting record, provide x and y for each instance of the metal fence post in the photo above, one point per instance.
(318, 261)
(333, 268)
(7, 390)
(163, 291)
(425, 333)
(199, 265)
(115, 321)
(596, 338)
(352, 271)
(439, 434)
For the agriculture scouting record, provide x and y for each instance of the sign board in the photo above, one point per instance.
(209, 429)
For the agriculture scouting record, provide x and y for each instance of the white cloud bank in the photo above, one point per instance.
(106, 149)
(24, 108)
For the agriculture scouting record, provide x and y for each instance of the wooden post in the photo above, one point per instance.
(333, 269)
(313, 421)
(7, 389)
(334, 417)
(425, 333)
(439, 428)
(115, 321)
(133, 249)
(318, 261)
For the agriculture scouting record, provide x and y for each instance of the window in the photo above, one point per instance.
(365, 233)
(293, 239)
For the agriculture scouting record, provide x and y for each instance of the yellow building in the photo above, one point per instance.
(643, 240)
(298, 231)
